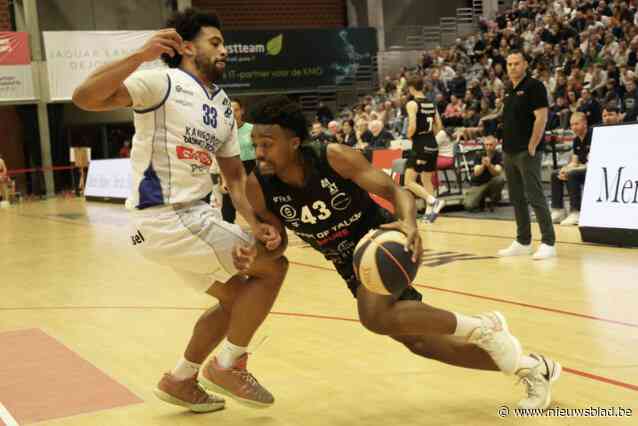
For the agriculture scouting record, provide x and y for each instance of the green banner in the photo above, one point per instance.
(272, 60)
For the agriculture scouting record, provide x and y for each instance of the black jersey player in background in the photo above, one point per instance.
(321, 193)
(423, 125)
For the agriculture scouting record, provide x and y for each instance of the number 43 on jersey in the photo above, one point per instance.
(320, 210)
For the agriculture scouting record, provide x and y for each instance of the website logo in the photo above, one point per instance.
(272, 47)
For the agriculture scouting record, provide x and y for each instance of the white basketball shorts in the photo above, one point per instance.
(191, 238)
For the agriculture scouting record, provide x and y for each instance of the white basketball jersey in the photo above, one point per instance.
(179, 129)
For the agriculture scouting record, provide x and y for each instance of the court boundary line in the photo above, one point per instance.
(496, 299)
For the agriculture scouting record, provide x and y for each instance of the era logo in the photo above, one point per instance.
(137, 238)
(186, 153)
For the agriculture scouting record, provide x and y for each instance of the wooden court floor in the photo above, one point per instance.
(67, 267)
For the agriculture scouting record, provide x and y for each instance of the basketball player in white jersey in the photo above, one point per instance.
(182, 122)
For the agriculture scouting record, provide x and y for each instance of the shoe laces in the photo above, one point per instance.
(531, 380)
(198, 394)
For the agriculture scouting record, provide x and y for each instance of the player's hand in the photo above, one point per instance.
(166, 41)
(268, 235)
(413, 241)
(531, 149)
(243, 256)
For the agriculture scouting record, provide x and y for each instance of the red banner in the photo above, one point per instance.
(14, 48)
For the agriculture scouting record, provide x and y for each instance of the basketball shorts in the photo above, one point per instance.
(346, 270)
(191, 238)
(422, 161)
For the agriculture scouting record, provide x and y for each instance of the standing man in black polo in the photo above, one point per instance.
(524, 120)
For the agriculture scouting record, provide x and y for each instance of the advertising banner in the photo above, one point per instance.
(610, 197)
(258, 61)
(73, 55)
(109, 179)
(296, 59)
(16, 76)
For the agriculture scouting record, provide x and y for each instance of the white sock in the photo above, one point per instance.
(430, 199)
(529, 362)
(465, 324)
(185, 369)
(229, 353)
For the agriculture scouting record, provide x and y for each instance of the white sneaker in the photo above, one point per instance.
(516, 249)
(436, 209)
(571, 220)
(558, 215)
(544, 252)
(494, 338)
(539, 382)
(4, 204)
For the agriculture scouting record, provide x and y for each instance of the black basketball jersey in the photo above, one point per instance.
(423, 139)
(329, 212)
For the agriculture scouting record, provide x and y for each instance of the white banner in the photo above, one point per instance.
(73, 55)
(16, 75)
(16, 83)
(610, 198)
(109, 178)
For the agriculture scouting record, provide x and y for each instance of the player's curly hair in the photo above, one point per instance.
(283, 111)
(188, 24)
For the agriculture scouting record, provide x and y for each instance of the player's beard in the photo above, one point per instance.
(208, 68)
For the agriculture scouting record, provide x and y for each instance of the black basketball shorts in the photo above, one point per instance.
(422, 161)
(346, 270)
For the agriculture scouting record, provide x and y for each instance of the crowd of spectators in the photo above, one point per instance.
(584, 51)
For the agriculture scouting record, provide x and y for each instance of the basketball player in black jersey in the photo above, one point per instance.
(321, 193)
(423, 125)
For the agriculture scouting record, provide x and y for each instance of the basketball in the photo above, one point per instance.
(381, 263)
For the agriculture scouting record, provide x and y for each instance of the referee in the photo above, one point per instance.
(524, 120)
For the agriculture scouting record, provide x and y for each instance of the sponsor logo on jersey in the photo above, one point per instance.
(332, 187)
(288, 212)
(341, 201)
(180, 89)
(201, 138)
(282, 198)
(187, 153)
(183, 102)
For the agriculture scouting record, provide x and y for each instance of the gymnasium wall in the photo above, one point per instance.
(5, 16)
(267, 14)
(88, 15)
(418, 12)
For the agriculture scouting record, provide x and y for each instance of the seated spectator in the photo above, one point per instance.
(334, 131)
(377, 137)
(590, 107)
(361, 129)
(125, 151)
(575, 176)
(576, 167)
(453, 115)
(318, 134)
(488, 178)
(349, 134)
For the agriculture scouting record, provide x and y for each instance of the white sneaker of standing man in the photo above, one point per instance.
(544, 251)
(516, 249)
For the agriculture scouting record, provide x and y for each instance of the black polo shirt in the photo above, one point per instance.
(518, 113)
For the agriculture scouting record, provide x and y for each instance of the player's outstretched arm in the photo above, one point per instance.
(103, 89)
(352, 165)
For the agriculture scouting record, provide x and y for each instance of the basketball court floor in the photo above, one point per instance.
(87, 327)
